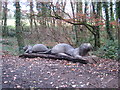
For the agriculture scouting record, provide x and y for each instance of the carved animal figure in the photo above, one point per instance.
(85, 48)
(61, 49)
(64, 49)
(27, 49)
(37, 48)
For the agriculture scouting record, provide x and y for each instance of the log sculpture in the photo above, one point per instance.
(89, 59)
(61, 51)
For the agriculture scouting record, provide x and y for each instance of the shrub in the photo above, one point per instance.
(109, 50)
(11, 31)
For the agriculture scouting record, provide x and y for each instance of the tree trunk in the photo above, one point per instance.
(111, 14)
(119, 38)
(93, 7)
(31, 17)
(107, 21)
(44, 12)
(96, 12)
(118, 14)
(1, 37)
(79, 32)
(79, 7)
(85, 10)
(98, 27)
(74, 26)
(19, 34)
(97, 37)
(4, 29)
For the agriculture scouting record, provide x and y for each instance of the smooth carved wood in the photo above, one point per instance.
(89, 59)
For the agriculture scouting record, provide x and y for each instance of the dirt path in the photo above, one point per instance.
(48, 73)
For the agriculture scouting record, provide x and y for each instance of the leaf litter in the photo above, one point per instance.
(49, 73)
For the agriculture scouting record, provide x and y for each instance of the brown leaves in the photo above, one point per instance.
(114, 70)
(38, 72)
(73, 69)
(114, 23)
(80, 15)
(99, 24)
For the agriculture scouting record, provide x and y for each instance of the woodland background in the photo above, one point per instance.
(61, 21)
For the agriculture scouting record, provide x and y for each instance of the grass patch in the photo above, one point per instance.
(9, 44)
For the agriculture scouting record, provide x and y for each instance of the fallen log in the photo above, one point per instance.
(50, 56)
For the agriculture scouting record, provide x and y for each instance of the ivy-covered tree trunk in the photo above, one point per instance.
(111, 15)
(4, 29)
(96, 10)
(118, 14)
(107, 21)
(74, 26)
(98, 27)
(31, 15)
(77, 27)
(19, 34)
(1, 24)
(111, 11)
(119, 37)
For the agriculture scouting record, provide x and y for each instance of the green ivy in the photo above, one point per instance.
(109, 50)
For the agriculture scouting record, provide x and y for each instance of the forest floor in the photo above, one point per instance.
(48, 73)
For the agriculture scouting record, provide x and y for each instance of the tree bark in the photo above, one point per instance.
(19, 34)
(79, 33)
(107, 21)
(118, 15)
(98, 27)
(74, 26)
(111, 15)
(85, 10)
(96, 12)
(4, 29)
(31, 16)
(89, 59)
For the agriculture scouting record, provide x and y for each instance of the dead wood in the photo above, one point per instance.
(89, 59)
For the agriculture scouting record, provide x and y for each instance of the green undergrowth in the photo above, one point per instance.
(9, 44)
(108, 50)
